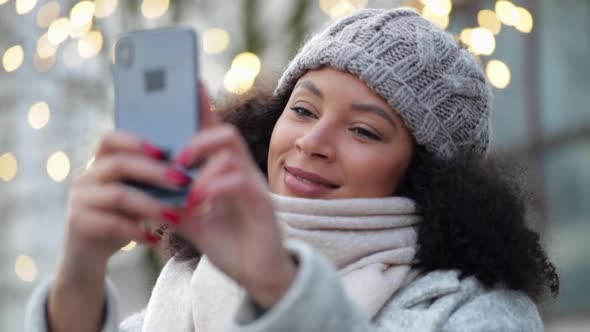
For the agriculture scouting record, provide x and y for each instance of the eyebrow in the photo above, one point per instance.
(355, 107)
(311, 87)
(374, 109)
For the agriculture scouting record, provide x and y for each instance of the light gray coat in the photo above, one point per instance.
(436, 301)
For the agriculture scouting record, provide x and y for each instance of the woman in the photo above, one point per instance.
(367, 160)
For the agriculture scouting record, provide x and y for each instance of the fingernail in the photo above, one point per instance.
(195, 197)
(171, 216)
(183, 159)
(151, 239)
(176, 177)
(153, 151)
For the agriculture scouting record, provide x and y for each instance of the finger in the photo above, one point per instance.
(208, 118)
(136, 168)
(208, 142)
(103, 224)
(122, 142)
(127, 201)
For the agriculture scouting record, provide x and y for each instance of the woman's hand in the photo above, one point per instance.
(230, 215)
(103, 213)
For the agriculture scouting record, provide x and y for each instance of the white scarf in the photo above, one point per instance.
(371, 241)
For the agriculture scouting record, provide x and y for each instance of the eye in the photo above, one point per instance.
(302, 112)
(365, 133)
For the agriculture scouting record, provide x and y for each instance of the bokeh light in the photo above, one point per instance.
(58, 166)
(90, 162)
(215, 40)
(48, 13)
(238, 80)
(45, 49)
(3, 2)
(13, 58)
(8, 166)
(340, 8)
(104, 8)
(506, 11)
(82, 13)
(489, 20)
(59, 30)
(524, 22)
(25, 268)
(25, 6)
(79, 31)
(154, 8)
(439, 7)
(482, 41)
(90, 44)
(129, 246)
(441, 21)
(247, 61)
(39, 115)
(498, 74)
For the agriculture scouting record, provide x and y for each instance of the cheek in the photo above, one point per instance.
(378, 177)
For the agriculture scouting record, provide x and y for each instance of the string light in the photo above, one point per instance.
(25, 6)
(39, 115)
(215, 40)
(58, 166)
(154, 8)
(8, 166)
(104, 8)
(25, 268)
(13, 58)
(498, 74)
(47, 14)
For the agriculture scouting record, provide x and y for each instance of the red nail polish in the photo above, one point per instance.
(151, 239)
(171, 216)
(195, 197)
(183, 159)
(176, 177)
(152, 151)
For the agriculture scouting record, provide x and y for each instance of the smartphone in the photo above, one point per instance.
(156, 77)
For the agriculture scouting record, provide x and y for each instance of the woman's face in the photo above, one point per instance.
(337, 139)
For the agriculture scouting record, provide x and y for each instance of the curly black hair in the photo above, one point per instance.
(473, 212)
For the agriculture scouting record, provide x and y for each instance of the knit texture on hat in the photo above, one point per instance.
(437, 87)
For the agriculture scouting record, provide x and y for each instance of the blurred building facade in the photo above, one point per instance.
(541, 118)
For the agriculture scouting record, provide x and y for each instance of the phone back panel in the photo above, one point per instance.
(156, 86)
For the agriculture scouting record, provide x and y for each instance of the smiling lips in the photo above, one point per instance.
(306, 183)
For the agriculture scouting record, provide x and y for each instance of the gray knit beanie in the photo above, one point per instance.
(437, 87)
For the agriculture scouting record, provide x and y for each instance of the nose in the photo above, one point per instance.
(318, 141)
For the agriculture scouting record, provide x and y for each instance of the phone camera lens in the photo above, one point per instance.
(124, 53)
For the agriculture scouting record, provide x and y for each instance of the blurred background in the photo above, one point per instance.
(56, 101)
